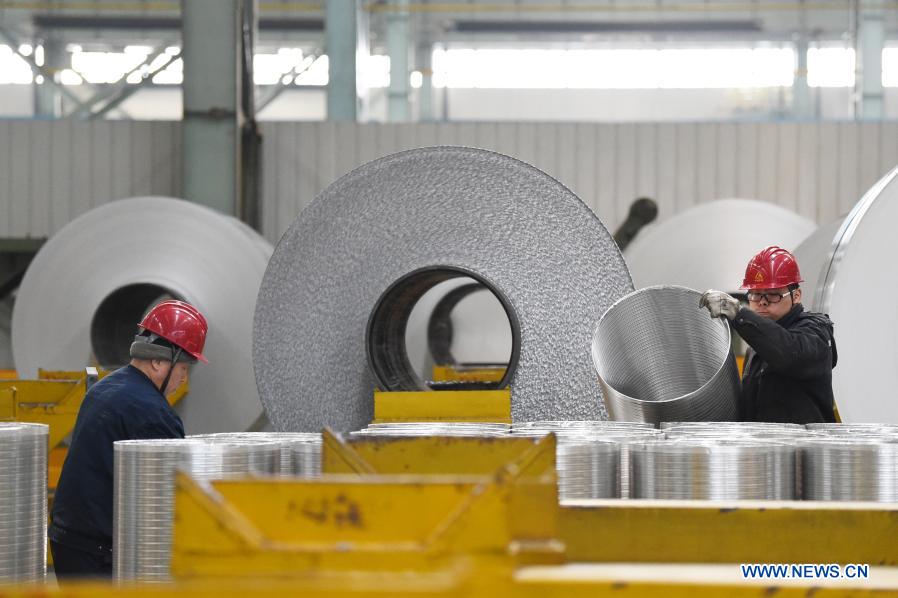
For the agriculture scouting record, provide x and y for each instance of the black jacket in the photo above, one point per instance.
(788, 370)
(125, 405)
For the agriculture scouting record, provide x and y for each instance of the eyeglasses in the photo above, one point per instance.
(769, 297)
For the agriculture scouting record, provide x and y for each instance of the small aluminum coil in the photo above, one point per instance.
(863, 258)
(122, 258)
(347, 273)
(143, 497)
(417, 429)
(713, 469)
(869, 428)
(622, 433)
(843, 468)
(660, 357)
(587, 468)
(300, 451)
(666, 253)
(23, 502)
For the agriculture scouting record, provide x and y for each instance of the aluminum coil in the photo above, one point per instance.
(622, 433)
(660, 357)
(143, 495)
(23, 502)
(814, 255)
(92, 282)
(863, 266)
(855, 429)
(842, 468)
(387, 232)
(300, 452)
(713, 469)
(668, 253)
(588, 468)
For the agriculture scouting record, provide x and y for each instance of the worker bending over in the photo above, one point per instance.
(787, 375)
(128, 404)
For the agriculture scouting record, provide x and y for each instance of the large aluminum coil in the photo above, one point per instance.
(846, 468)
(709, 245)
(143, 495)
(861, 276)
(659, 357)
(346, 274)
(814, 255)
(91, 283)
(713, 469)
(23, 502)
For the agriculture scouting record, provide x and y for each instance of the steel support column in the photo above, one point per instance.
(398, 49)
(47, 98)
(346, 41)
(802, 108)
(871, 36)
(424, 59)
(213, 44)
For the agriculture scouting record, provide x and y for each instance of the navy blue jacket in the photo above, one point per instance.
(124, 405)
(788, 372)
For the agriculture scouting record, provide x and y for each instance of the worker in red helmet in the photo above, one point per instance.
(128, 404)
(787, 375)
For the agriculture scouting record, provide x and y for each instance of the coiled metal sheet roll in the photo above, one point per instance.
(300, 452)
(842, 468)
(381, 236)
(143, 504)
(23, 502)
(712, 469)
(660, 357)
(814, 255)
(123, 257)
(863, 258)
(855, 428)
(665, 253)
(588, 468)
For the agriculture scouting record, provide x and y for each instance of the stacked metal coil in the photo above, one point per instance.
(713, 469)
(850, 468)
(588, 468)
(143, 504)
(879, 429)
(434, 429)
(583, 432)
(300, 452)
(726, 426)
(659, 357)
(23, 502)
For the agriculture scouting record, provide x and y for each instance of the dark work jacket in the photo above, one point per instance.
(124, 405)
(788, 370)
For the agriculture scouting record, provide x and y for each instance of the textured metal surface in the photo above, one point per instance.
(659, 357)
(531, 238)
(143, 504)
(23, 502)
(701, 248)
(862, 264)
(813, 255)
(713, 469)
(850, 468)
(192, 252)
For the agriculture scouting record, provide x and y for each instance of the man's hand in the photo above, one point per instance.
(719, 304)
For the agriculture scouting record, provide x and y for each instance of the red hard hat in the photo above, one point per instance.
(180, 324)
(772, 268)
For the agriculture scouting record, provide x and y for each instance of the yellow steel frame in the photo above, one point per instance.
(443, 405)
(455, 373)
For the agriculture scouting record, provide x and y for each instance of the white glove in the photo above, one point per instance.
(719, 304)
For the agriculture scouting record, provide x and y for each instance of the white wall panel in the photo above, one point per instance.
(53, 171)
(50, 172)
